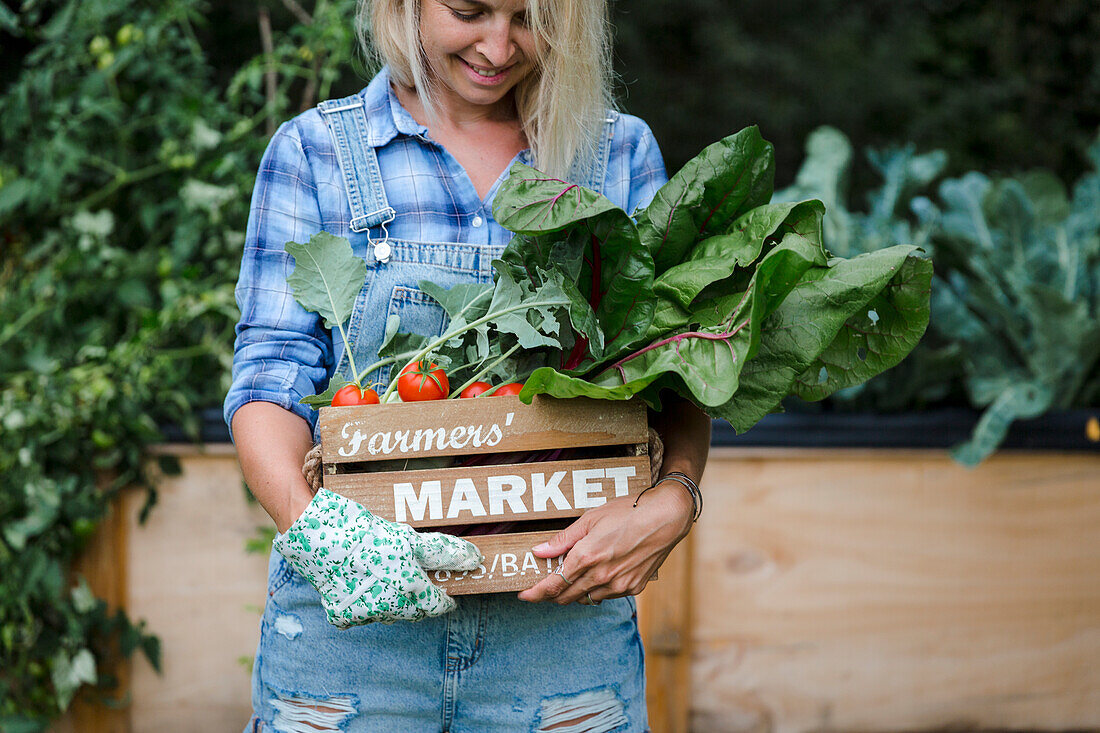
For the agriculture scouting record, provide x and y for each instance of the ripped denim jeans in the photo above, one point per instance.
(494, 664)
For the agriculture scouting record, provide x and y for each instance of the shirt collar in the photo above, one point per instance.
(388, 118)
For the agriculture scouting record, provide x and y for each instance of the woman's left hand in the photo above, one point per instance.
(613, 550)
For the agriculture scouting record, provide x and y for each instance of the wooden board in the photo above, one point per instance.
(665, 623)
(509, 565)
(476, 426)
(849, 590)
(525, 491)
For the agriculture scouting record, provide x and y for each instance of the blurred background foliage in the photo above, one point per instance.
(131, 134)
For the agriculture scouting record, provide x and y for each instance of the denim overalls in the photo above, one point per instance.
(495, 663)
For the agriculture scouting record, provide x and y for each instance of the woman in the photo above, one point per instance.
(407, 170)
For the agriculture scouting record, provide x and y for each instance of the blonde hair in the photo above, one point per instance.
(561, 104)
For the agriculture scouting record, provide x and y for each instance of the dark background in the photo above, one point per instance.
(1001, 85)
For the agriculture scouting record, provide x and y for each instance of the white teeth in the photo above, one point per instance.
(484, 73)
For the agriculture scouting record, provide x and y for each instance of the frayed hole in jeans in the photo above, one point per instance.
(297, 713)
(592, 711)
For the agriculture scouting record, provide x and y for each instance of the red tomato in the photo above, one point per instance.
(512, 388)
(352, 394)
(421, 381)
(475, 389)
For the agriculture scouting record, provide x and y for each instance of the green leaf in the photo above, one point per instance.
(467, 300)
(396, 342)
(876, 337)
(706, 358)
(530, 202)
(327, 277)
(1024, 400)
(324, 399)
(803, 326)
(68, 673)
(533, 327)
(715, 258)
(578, 230)
(704, 197)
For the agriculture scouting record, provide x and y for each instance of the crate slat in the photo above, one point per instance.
(519, 491)
(509, 565)
(476, 426)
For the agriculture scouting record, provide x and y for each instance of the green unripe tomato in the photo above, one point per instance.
(99, 46)
(126, 34)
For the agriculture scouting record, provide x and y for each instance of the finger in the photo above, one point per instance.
(548, 588)
(440, 551)
(563, 541)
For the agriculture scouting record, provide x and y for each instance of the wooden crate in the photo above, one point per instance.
(613, 436)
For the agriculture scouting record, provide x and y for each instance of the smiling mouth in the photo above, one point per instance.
(486, 73)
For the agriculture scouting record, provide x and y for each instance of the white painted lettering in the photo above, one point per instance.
(401, 437)
(458, 434)
(465, 498)
(542, 491)
(508, 565)
(584, 488)
(494, 435)
(621, 476)
(499, 494)
(356, 442)
(439, 434)
(430, 498)
(375, 444)
(388, 443)
(529, 562)
(475, 436)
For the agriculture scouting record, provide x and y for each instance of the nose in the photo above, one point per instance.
(497, 44)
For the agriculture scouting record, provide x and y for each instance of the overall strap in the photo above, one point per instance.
(594, 173)
(347, 123)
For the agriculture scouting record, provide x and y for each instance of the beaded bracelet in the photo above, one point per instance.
(686, 481)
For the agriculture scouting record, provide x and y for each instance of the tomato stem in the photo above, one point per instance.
(450, 333)
(477, 377)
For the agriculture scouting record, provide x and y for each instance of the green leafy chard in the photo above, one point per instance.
(712, 292)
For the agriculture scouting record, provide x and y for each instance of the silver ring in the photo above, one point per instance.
(560, 570)
(590, 601)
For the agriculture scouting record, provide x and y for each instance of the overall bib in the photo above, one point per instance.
(495, 664)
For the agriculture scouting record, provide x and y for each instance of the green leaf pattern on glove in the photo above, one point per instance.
(369, 569)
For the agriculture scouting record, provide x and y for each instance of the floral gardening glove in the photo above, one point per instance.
(369, 569)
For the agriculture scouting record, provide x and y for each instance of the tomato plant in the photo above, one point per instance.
(353, 394)
(475, 389)
(421, 381)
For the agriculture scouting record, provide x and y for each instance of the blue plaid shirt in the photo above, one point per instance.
(282, 352)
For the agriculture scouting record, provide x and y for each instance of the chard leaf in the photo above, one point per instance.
(876, 337)
(807, 322)
(727, 179)
(327, 276)
(706, 359)
(715, 258)
(550, 381)
(588, 344)
(594, 238)
(531, 202)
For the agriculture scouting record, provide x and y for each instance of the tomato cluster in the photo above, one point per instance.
(479, 388)
(418, 382)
